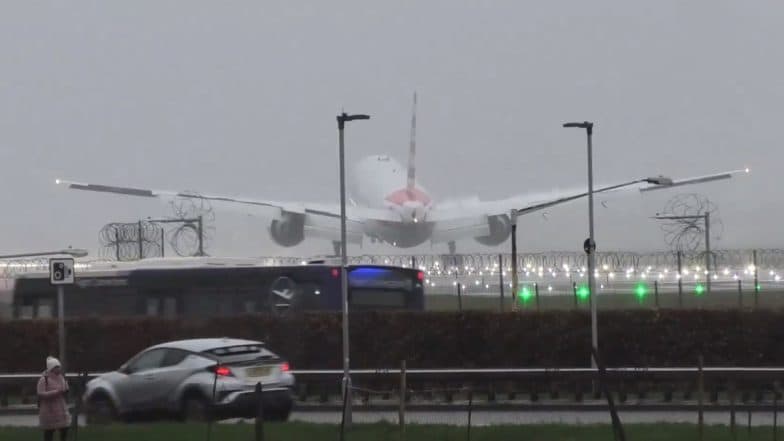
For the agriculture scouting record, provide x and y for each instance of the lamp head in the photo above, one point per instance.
(587, 125)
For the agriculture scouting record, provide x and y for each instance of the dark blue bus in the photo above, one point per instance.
(205, 290)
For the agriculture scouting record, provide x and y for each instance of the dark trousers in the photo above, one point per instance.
(49, 434)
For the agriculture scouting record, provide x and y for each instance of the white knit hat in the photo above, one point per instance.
(52, 363)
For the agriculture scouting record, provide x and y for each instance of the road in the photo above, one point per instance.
(485, 418)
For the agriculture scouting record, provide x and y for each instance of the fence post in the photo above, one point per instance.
(141, 242)
(536, 293)
(732, 411)
(574, 293)
(601, 373)
(210, 416)
(117, 243)
(700, 397)
(775, 411)
(740, 294)
(656, 292)
(460, 296)
(756, 282)
(343, 413)
(80, 386)
(259, 426)
(501, 281)
(470, 409)
(403, 389)
(680, 281)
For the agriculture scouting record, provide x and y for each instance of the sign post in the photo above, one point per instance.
(61, 273)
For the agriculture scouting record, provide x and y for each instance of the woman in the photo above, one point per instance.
(52, 408)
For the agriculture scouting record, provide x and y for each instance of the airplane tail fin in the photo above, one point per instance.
(411, 182)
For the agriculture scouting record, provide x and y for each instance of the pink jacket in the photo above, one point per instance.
(53, 410)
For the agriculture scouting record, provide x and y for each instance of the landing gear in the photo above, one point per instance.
(452, 247)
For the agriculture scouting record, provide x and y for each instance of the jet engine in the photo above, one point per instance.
(288, 230)
(500, 229)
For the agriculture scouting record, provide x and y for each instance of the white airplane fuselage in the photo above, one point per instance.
(380, 182)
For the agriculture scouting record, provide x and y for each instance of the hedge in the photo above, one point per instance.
(426, 339)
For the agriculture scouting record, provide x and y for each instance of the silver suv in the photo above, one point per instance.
(193, 378)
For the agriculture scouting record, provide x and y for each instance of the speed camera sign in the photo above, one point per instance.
(61, 271)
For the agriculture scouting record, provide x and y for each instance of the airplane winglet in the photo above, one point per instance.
(697, 180)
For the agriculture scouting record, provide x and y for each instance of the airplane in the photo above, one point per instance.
(388, 205)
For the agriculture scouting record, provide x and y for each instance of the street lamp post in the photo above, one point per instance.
(590, 247)
(342, 118)
(515, 280)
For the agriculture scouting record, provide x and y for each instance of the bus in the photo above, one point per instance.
(206, 287)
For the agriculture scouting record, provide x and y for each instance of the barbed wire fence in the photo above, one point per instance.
(188, 232)
(548, 261)
(687, 232)
(131, 241)
(191, 238)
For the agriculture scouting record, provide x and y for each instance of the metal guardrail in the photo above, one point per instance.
(537, 386)
(490, 372)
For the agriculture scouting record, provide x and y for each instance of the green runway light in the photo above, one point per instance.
(699, 289)
(641, 290)
(583, 292)
(525, 295)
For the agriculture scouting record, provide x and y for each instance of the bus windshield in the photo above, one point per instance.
(383, 287)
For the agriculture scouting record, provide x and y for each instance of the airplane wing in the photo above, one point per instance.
(320, 220)
(474, 212)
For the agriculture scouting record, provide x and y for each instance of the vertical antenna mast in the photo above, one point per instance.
(411, 182)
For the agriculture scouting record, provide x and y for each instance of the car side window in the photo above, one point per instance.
(149, 360)
(173, 357)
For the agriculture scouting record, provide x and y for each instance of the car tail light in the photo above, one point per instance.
(284, 367)
(222, 371)
(335, 272)
(420, 276)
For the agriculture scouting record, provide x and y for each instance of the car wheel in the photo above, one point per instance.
(195, 408)
(100, 410)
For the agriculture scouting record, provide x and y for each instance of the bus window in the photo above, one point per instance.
(381, 287)
(45, 307)
(369, 297)
(152, 306)
(249, 307)
(169, 307)
(26, 312)
(162, 306)
(380, 278)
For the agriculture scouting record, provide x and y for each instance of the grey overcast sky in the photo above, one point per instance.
(240, 98)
